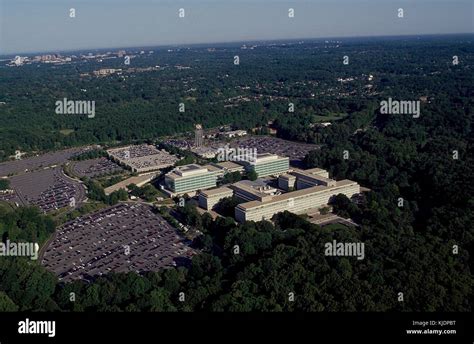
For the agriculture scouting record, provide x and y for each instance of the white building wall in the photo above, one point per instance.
(209, 202)
(296, 205)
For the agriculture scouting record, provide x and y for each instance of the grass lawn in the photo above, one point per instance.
(66, 132)
(329, 118)
(5, 206)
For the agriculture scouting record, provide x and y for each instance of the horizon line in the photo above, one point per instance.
(182, 45)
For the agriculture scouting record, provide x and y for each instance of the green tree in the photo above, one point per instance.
(4, 184)
(252, 175)
(6, 304)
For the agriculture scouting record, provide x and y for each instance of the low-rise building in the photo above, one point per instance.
(313, 177)
(286, 182)
(106, 71)
(259, 190)
(228, 166)
(209, 198)
(296, 202)
(234, 133)
(137, 180)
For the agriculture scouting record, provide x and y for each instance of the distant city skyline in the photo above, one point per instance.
(28, 26)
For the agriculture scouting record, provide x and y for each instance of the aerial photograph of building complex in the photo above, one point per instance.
(277, 163)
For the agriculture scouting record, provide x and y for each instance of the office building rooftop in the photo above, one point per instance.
(187, 170)
(297, 193)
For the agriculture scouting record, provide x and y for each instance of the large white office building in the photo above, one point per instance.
(297, 202)
(266, 164)
(189, 179)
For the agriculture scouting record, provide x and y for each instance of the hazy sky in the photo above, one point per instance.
(45, 25)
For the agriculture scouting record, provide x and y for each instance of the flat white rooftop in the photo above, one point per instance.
(262, 158)
(217, 191)
(297, 193)
(187, 170)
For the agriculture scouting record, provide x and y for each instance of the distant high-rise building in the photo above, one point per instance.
(198, 136)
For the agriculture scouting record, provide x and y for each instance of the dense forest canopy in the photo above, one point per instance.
(271, 76)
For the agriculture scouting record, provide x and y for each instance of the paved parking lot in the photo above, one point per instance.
(9, 197)
(95, 167)
(49, 189)
(142, 158)
(296, 151)
(97, 243)
(38, 162)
